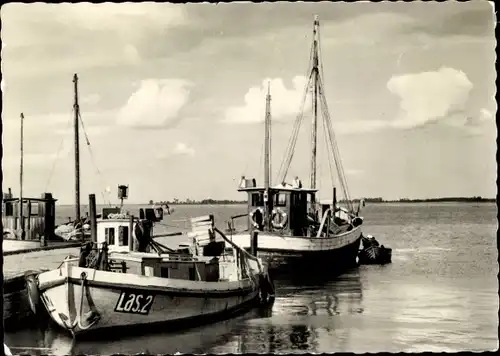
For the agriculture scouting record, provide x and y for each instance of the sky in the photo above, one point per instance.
(172, 96)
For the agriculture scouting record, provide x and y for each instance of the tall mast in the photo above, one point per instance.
(315, 103)
(21, 219)
(267, 151)
(77, 151)
(267, 139)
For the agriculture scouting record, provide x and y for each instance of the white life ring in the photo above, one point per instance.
(252, 213)
(280, 224)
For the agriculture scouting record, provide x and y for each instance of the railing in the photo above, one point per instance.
(231, 224)
(242, 251)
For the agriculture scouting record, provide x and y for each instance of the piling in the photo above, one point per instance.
(131, 242)
(93, 218)
(254, 238)
(334, 199)
(16, 307)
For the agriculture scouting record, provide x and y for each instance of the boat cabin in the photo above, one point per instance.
(122, 233)
(289, 207)
(293, 210)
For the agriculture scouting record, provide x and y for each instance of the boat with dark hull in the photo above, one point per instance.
(373, 253)
(295, 231)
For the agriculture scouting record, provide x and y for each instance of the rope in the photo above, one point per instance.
(57, 155)
(89, 147)
(285, 164)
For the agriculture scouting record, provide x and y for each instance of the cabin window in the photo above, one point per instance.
(257, 199)
(34, 210)
(280, 200)
(164, 272)
(123, 236)
(109, 232)
(192, 275)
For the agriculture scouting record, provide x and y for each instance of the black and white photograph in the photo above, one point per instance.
(249, 177)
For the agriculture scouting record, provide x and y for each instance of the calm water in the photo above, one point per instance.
(439, 294)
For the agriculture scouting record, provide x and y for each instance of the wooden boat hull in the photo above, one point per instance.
(375, 255)
(126, 300)
(302, 254)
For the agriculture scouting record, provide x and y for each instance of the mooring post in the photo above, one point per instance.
(49, 214)
(93, 218)
(254, 242)
(131, 242)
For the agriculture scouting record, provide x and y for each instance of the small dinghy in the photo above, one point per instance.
(126, 279)
(373, 253)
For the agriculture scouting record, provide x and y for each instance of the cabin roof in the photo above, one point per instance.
(113, 220)
(278, 188)
(28, 199)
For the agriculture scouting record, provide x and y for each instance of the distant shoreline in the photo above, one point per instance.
(367, 201)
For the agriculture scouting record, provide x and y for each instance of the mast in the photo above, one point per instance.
(267, 151)
(77, 151)
(315, 74)
(21, 218)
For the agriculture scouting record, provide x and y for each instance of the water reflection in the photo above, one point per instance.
(301, 314)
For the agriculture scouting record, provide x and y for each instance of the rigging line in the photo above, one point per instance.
(261, 157)
(293, 140)
(328, 152)
(298, 119)
(57, 154)
(99, 174)
(338, 161)
(320, 56)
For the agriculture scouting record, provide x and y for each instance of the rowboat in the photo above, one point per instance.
(126, 279)
(373, 253)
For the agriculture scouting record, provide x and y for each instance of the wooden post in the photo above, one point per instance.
(77, 151)
(21, 218)
(28, 221)
(49, 212)
(93, 218)
(254, 238)
(131, 242)
(334, 199)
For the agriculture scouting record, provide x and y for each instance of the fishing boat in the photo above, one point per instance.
(125, 279)
(296, 230)
(374, 253)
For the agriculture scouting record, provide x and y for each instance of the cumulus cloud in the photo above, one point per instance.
(429, 96)
(156, 103)
(353, 172)
(91, 99)
(183, 149)
(284, 102)
(180, 149)
(131, 54)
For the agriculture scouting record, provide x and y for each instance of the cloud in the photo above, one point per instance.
(180, 149)
(157, 103)
(353, 172)
(131, 54)
(429, 96)
(91, 99)
(183, 149)
(284, 102)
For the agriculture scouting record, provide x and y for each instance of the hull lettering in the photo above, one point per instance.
(134, 303)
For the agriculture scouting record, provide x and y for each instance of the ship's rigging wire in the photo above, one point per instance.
(285, 164)
(89, 147)
(332, 147)
(56, 159)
